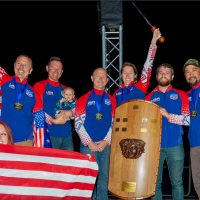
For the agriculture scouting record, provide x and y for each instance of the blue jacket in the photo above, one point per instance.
(194, 129)
(176, 104)
(139, 89)
(50, 92)
(20, 121)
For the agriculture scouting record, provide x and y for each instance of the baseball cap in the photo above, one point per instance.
(194, 62)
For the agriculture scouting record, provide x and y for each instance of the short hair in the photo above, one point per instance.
(56, 58)
(97, 69)
(131, 65)
(69, 88)
(8, 131)
(166, 65)
(194, 62)
(27, 56)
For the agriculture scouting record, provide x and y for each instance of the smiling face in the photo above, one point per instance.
(192, 74)
(55, 70)
(23, 67)
(99, 78)
(128, 75)
(68, 94)
(164, 76)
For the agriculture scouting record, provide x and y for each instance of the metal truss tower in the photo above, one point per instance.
(112, 54)
(111, 20)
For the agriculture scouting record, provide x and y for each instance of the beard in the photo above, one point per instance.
(164, 83)
(194, 82)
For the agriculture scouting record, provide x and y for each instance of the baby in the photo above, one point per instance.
(67, 102)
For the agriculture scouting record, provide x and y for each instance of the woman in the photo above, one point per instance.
(5, 134)
(131, 89)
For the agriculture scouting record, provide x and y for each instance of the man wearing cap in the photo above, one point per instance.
(191, 71)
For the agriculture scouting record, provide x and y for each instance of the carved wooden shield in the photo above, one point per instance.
(135, 150)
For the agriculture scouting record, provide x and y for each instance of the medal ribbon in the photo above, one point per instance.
(98, 104)
(195, 99)
(18, 91)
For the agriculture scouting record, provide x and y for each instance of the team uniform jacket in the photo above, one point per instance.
(20, 121)
(50, 93)
(177, 105)
(86, 124)
(194, 129)
(139, 89)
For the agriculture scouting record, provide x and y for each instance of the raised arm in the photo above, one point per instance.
(144, 81)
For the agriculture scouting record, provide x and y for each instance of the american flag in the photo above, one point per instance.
(30, 173)
(40, 131)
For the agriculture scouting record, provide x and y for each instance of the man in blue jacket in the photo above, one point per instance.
(192, 74)
(19, 104)
(93, 122)
(175, 110)
(50, 91)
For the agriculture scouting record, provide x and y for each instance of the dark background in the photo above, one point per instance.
(70, 30)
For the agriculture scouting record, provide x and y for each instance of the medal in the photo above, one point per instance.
(18, 106)
(195, 99)
(194, 113)
(19, 91)
(99, 100)
(99, 116)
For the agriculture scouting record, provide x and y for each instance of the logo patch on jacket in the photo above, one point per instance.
(107, 102)
(155, 99)
(49, 93)
(90, 103)
(174, 96)
(118, 93)
(12, 86)
(29, 93)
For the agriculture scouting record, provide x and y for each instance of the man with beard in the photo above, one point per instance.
(175, 110)
(191, 71)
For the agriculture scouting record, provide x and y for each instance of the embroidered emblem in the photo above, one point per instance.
(174, 96)
(49, 93)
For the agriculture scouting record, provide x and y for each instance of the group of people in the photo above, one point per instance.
(51, 105)
(23, 105)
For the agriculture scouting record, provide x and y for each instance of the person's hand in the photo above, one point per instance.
(65, 113)
(164, 113)
(62, 100)
(101, 145)
(156, 35)
(59, 120)
(62, 117)
(92, 146)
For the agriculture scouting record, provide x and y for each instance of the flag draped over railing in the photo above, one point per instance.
(42, 173)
